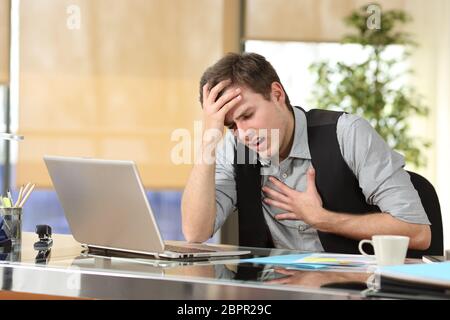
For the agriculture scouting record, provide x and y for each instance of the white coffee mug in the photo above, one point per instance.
(389, 250)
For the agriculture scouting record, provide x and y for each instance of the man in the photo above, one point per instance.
(337, 181)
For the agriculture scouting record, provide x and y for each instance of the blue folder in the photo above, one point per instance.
(415, 281)
(429, 273)
(285, 261)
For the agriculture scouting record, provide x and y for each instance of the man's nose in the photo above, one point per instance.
(245, 134)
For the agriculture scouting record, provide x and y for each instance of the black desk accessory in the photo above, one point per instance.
(45, 237)
(44, 245)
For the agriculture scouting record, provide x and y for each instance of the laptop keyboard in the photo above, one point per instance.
(186, 249)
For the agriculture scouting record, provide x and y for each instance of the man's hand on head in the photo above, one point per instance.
(214, 108)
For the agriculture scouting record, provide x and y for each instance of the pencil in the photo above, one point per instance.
(19, 197)
(26, 188)
(10, 197)
(25, 198)
(25, 191)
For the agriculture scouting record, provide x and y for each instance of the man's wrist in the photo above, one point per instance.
(210, 139)
(328, 221)
(206, 155)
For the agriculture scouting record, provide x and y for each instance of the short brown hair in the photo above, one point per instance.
(249, 69)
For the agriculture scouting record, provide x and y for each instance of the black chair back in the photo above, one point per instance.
(430, 202)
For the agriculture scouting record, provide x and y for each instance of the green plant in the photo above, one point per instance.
(370, 88)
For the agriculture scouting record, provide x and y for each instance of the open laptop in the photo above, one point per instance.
(106, 208)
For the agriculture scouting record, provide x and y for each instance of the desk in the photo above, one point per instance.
(71, 273)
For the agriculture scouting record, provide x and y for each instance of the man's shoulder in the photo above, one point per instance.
(348, 120)
(350, 126)
(319, 117)
(343, 118)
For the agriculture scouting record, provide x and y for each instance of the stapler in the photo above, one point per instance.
(45, 237)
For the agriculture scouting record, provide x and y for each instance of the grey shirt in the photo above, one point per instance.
(377, 167)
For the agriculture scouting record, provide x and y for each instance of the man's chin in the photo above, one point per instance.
(267, 153)
(264, 151)
(264, 154)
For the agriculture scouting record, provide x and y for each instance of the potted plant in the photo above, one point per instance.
(370, 88)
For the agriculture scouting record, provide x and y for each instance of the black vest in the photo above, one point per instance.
(335, 181)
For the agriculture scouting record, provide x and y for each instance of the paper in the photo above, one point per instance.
(316, 260)
(285, 260)
(432, 273)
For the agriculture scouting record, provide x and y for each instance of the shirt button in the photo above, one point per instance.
(284, 175)
(301, 228)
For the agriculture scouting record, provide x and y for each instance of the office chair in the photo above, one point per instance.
(430, 203)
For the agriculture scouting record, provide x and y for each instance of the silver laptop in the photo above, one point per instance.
(106, 208)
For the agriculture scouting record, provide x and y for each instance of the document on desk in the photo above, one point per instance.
(437, 273)
(317, 261)
(415, 281)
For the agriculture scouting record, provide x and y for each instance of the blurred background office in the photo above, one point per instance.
(114, 79)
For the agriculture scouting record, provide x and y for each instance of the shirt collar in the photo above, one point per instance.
(300, 146)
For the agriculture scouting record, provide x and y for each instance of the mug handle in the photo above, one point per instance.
(360, 247)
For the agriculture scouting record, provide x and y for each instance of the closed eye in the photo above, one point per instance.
(242, 117)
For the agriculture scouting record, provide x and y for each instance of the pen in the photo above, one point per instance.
(24, 192)
(25, 189)
(21, 204)
(6, 202)
(19, 197)
(10, 197)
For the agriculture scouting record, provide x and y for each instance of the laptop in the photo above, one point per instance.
(107, 209)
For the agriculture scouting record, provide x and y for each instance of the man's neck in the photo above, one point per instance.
(286, 145)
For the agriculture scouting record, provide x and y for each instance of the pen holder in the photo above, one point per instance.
(11, 225)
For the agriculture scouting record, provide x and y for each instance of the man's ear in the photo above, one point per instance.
(278, 93)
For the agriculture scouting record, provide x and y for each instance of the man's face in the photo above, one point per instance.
(258, 123)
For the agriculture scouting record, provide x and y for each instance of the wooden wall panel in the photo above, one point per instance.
(302, 20)
(117, 87)
(4, 40)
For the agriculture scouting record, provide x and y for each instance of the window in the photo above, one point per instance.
(291, 60)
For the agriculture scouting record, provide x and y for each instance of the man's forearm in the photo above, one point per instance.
(364, 226)
(198, 205)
